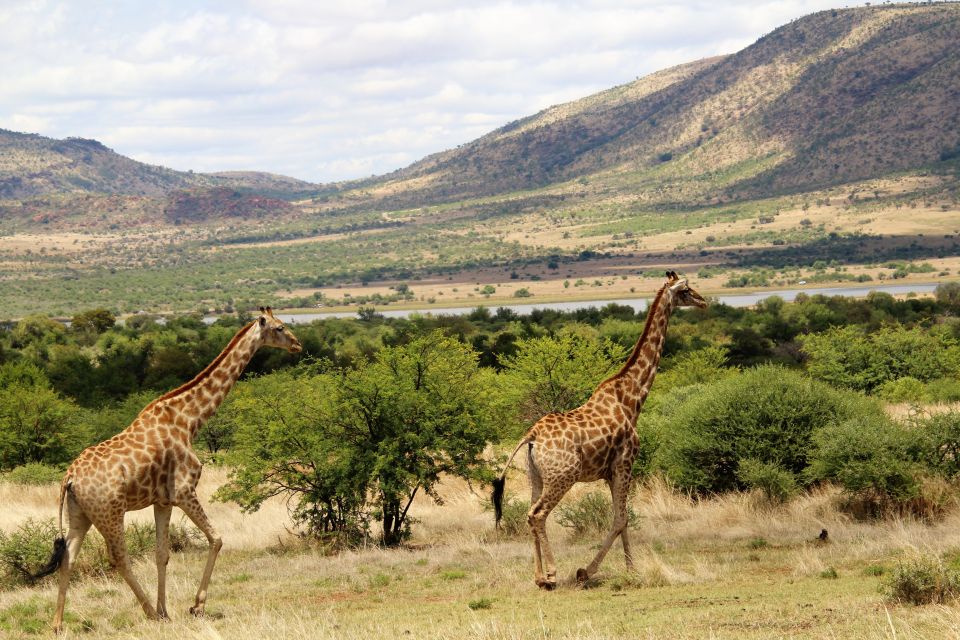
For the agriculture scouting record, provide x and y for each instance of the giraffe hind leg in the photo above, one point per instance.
(536, 488)
(79, 524)
(552, 493)
(112, 532)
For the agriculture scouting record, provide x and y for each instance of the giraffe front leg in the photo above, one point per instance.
(619, 491)
(191, 506)
(161, 516)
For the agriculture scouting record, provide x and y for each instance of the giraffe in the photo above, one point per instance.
(597, 440)
(151, 462)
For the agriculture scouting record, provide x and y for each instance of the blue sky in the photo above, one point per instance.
(327, 91)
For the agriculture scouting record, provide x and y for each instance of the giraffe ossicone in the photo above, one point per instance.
(596, 441)
(152, 462)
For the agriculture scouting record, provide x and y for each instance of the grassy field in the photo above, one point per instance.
(728, 567)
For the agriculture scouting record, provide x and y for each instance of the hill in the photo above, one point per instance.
(828, 151)
(834, 97)
(32, 165)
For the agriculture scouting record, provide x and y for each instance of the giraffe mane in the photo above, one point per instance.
(643, 336)
(200, 377)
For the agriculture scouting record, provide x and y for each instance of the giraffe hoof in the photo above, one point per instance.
(582, 577)
(547, 585)
(197, 611)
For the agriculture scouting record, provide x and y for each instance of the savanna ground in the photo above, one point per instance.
(727, 567)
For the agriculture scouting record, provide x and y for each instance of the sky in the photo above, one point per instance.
(328, 91)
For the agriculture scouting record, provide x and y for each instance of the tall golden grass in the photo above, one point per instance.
(729, 566)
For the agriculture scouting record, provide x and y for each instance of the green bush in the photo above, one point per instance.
(849, 357)
(26, 549)
(777, 483)
(36, 423)
(922, 580)
(513, 523)
(591, 515)
(940, 437)
(944, 390)
(904, 389)
(871, 457)
(33, 473)
(767, 414)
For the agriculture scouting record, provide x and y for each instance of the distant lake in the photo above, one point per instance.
(638, 304)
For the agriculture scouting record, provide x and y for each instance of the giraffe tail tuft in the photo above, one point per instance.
(497, 497)
(56, 559)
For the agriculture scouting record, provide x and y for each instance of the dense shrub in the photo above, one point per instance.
(940, 441)
(849, 357)
(922, 580)
(943, 390)
(36, 424)
(28, 548)
(767, 414)
(777, 483)
(513, 522)
(871, 457)
(904, 389)
(34, 473)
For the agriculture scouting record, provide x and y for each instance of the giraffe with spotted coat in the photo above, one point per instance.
(151, 462)
(596, 441)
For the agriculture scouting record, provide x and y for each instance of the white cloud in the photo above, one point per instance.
(329, 90)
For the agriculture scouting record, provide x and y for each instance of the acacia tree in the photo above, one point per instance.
(353, 442)
(420, 410)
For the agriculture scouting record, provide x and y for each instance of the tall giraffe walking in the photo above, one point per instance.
(151, 462)
(597, 440)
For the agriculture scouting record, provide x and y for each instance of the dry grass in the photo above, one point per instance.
(240, 531)
(733, 566)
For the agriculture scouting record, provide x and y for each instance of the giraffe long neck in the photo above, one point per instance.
(636, 376)
(189, 406)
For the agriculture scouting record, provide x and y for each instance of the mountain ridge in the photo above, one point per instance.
(835, 97)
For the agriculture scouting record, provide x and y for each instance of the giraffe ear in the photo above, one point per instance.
(263, 321)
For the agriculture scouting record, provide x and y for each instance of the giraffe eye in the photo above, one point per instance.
(279, 329)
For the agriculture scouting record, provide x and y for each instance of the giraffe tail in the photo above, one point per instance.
(59, 544)
(56, 559)
(496, 497)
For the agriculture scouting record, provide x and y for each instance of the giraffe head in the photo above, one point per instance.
(274, 333)
(683, 293)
